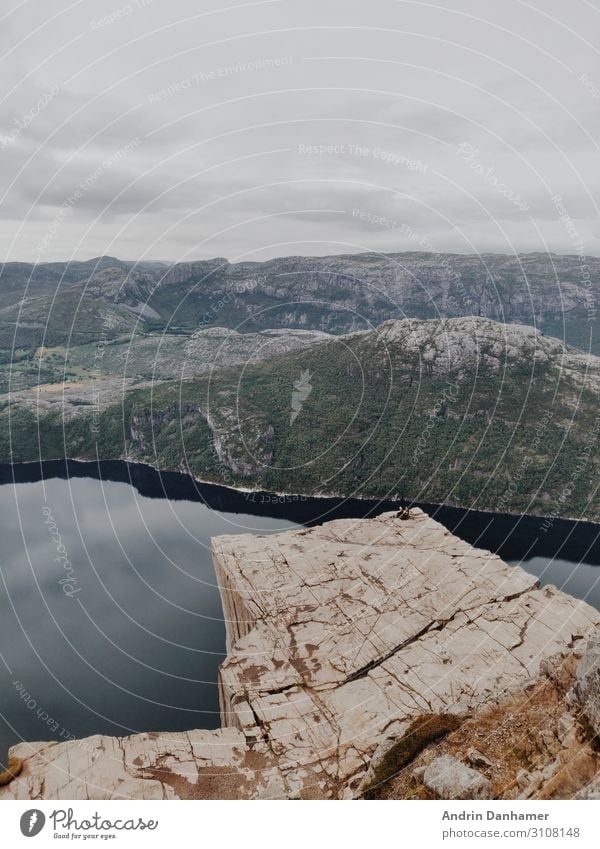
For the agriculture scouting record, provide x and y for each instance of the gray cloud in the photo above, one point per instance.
(196, 130)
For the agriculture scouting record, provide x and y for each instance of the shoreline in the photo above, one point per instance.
(512, 535)
(320, 496)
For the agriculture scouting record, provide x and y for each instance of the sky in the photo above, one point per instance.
(186, 129)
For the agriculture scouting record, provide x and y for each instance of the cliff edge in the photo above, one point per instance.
(341, 639)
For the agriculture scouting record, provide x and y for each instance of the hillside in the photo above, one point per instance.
(462, 411)
(335, 294)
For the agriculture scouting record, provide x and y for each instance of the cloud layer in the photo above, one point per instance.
(186, 130)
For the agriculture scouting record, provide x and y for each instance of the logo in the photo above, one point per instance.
(302, 389)
(32, 822)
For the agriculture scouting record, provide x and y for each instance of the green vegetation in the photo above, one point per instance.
(77, 303)
(378, 417)
(424, 730)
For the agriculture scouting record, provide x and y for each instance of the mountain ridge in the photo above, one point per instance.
(462, 411)
(333, 294)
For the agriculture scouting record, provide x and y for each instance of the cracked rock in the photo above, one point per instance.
(338, 637)
(587, 682)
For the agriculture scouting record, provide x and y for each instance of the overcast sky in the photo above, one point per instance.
(182, 129)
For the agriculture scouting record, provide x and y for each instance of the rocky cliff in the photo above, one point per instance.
(344, 642)
(335, 294)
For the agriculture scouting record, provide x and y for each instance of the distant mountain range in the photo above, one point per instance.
(75, 303)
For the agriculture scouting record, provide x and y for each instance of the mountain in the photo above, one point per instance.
(49, 303)
(25, 279)
(464, 411)
(77, 302)
(76, 371)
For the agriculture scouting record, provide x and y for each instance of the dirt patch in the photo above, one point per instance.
(423, 731)
(518, 736)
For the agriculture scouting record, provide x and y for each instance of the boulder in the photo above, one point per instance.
(587, 681)
(475, 758)
(383, 748)
(448, 778)
(566, 729)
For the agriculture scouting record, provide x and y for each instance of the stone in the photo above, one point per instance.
(587, 683)
(213, 764)
(590, 791)
(338, 636)
(383, 747)
(475, 758)
(568, 775)
(548, 738)
(533, 784)
(566, 729)
(448, 778)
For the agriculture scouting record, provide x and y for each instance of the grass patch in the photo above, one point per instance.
(422, 731)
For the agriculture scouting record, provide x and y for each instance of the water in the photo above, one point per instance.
(110, 617)
(581, 580)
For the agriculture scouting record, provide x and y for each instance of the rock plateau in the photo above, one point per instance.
(338, 637)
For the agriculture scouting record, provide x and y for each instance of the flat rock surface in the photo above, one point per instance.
(341, 632)
(338, 635)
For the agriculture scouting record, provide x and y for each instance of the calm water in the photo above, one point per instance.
(110, 617)
(133, 636)
(581, 580)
